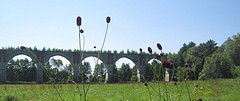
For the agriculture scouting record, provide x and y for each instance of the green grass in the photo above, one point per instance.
(210, 90)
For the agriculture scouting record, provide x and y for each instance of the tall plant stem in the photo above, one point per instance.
(81, 67)
(165, 86)
(159, 73)
(105, 36)
(53, 81)
(187, 90)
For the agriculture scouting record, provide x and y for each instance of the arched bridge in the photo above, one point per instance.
(109, 59)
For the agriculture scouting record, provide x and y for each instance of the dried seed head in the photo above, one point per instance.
(69, 81)
(146, 84)
(150, 50)
(22, 47)
(175, 83)
(81, 31)
(158, 56)
(140, 49)
(159, 46)
(108, 19)
(79, 21)
(161, 54)
(167, 64)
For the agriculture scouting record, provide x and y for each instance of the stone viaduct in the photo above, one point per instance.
(109, 60)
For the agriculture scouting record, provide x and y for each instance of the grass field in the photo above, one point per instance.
(211, 90)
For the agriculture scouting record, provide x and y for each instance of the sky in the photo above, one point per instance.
(134, 23)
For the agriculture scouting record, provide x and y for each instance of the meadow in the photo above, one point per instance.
(209, 90)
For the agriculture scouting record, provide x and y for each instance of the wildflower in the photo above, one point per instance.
(81, 31)
(150, 50)
(69, 81)
(108, 19)
(146, 84)
(158, 56)
(159, 46)
(186, 65)
(167, 64)
(195, 89)
(79, 21)
(140, 49)
(188, 73)
(161, 54)
(22, 47)
(200, 99)
(196, 85)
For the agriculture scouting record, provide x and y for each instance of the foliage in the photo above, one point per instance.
(148, 73)
(217, 66)
(21, 70)
(238, 71)
(85, 68)
(233, 48)
(134, 77)
(124, 73)
(99, 73)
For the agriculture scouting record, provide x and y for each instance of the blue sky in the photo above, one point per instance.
(135, 23)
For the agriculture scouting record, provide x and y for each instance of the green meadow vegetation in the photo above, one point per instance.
(197, 72)
(208, 90)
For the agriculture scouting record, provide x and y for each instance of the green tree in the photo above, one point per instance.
(193, 61)
(85, 68)
(21, 70)
(217, 66)
(233, 48)
(148, 73)
(134, 74)
(99, 73)
(182, 51)
(124, 73)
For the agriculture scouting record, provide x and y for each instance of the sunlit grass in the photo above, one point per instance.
(210, 90)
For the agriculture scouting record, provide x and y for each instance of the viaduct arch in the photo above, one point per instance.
(109, 59)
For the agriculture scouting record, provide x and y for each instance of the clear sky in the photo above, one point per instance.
(134, 23)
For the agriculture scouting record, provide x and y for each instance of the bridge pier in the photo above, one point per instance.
(140, 72)
(76, 72)
(3, 72)
(39, 73)
(109, 74)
